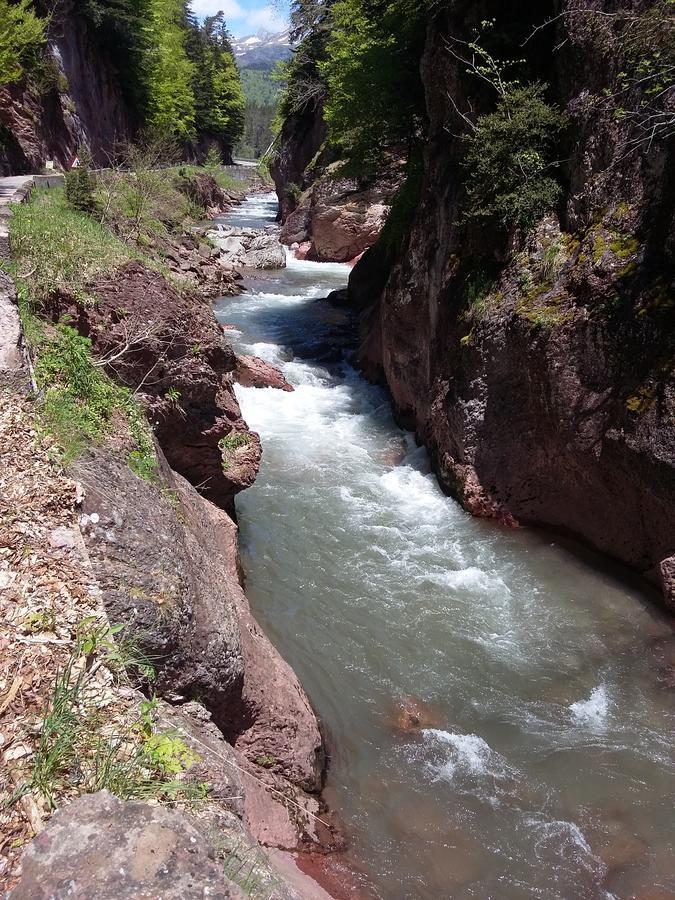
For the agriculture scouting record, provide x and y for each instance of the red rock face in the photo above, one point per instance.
(336, 221)
(86, 106)
(181, 365)
(552, 401)
(252, 371)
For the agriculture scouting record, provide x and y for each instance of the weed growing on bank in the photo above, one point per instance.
(79, 750)
(81, 404)
(229, 444)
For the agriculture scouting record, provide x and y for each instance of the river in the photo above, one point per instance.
(547, 767)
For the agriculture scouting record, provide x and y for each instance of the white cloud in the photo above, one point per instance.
(242, 21)
(231, 8)
(268, 18)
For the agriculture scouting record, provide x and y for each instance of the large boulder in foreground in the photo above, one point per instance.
(99, 848)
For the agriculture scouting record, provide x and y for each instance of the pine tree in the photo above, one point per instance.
(219, 100)
(171, 99)
(21, 33)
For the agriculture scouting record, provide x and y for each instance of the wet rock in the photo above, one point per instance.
(100, 848)
(413, 714)
(339, 298)
(252, 371)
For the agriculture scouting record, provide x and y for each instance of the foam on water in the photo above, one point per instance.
(594, 710)
(544, 705)
(469, 754)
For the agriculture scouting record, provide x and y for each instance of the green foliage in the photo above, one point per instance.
(641, 43)
(178, 75)
(219, 100)
(508, 159)
(213, 161)
(80, 402)
(78, 750)
(116, 646)
(22, 33)
(169, 754)
(261, 91)
(304, 86)
(81, 185)
(371, 69)
(171, 98)
(259, 87)
(266, 761)
(61, 248)
(233, 441)
(229, 444)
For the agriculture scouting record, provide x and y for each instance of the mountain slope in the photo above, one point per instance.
(262, 50)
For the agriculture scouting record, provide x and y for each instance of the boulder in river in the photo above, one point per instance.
(252, 371)
(249, 248)
(414, 714)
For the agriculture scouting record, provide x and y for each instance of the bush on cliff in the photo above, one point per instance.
(21, 33)
(508, 159)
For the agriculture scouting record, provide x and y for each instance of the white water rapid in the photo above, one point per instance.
(545, 765)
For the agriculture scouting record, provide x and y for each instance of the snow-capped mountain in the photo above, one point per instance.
(261, 50)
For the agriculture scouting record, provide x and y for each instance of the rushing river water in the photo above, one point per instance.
(547, 768)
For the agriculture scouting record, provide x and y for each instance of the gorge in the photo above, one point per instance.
(338, 548)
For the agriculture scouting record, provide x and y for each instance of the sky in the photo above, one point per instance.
(244, 17)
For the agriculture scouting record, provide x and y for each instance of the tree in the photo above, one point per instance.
(171, 99)
(219, 100)
(21, 33)
(371, 68)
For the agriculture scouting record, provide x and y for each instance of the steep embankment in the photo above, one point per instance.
(74, 100)
(131, 584)
(538, 370)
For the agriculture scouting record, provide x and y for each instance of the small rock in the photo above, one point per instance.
(63, 538)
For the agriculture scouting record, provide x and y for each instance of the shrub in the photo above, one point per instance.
(81, 185)
(507, 161)
(213, 161)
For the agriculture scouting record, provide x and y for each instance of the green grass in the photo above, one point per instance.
(80, 404)
(78, 750)
(57, 248)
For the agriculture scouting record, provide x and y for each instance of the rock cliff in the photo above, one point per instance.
(75, 100)
(331, 215)
(538, 370)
